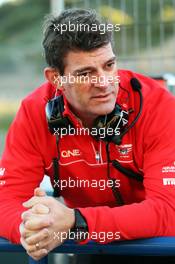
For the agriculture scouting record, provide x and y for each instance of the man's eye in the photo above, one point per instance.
(110, 64)
(83, 74)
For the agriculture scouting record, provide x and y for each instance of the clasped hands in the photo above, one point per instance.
(44, 218)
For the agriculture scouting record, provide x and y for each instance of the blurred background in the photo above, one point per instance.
(145, 43)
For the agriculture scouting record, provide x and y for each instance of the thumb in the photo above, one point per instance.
(39, 192)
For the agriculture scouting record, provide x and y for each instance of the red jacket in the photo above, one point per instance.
(148, 148)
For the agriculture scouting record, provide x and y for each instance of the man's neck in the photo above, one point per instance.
(88, 122)
(85, 119)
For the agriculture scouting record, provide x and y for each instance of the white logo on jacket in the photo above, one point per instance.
(125, 153)
(170, 169)
(2, 171)
(168, 181)
(69, 153)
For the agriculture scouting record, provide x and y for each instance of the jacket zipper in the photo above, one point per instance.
(97, 153)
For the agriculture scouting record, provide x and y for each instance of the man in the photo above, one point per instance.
(121, 181)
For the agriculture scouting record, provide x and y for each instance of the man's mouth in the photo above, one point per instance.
(102, 96)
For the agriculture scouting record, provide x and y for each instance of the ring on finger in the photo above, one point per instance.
(37, 245)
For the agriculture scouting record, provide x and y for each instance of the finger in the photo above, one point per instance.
(35, 200)
(23, 243)
(26, 215)
(36, 209)
(39, 192)
(40, 209)
(38, 237)
(36, 223)
(26, 246)
(32, 250)
(44, 244)
(25, 232)
(37, 255)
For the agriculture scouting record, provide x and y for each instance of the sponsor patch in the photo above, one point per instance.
(125, 152)
(166, 169)
(168, 181)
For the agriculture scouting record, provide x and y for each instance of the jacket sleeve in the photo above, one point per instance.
(154, 216)
(21, 171)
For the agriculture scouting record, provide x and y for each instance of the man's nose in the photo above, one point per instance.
(102, 81)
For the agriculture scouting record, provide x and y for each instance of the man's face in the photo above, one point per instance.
(94, 89)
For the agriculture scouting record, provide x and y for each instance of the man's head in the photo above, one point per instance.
(75, 46)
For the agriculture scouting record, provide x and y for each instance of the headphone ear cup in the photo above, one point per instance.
(112, 124)
(54, 114)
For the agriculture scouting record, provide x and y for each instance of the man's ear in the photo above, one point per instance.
(53, 76)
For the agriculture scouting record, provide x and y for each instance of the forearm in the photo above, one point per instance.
(149, 218)
(10, 219)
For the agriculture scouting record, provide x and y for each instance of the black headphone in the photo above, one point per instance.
(116, 121)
